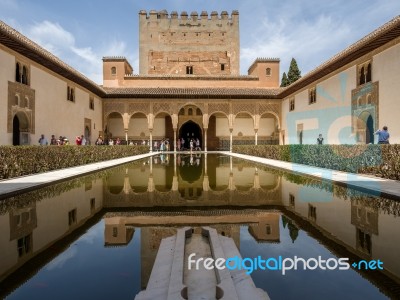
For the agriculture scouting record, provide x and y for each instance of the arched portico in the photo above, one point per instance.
(218, 123)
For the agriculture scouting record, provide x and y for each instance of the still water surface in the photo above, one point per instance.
(97, 237)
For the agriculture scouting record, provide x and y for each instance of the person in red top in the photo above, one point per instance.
(78, 141)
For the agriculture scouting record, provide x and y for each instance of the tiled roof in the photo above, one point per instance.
(21, 44)
(171, 92)
(263, 59)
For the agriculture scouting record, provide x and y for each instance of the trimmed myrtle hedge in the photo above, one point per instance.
(25, 160)
(379, 160)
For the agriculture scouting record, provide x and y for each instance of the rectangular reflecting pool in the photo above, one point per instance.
(97, 237)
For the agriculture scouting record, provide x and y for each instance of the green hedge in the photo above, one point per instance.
(26, 160)
(379, 160)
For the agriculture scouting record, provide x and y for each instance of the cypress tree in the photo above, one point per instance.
(294, 72)
(285, 81)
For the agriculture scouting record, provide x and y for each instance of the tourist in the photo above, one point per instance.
(99, 140)
(198, 145)
(118, 141)
(178, 144)
(155, 146)
(320, 139)
(162, 145)
(84, 142)
(111, 142)
(43, 141)
(383, 135)
(183, 144)
(78, 141)
(191, 145)
(53, 140)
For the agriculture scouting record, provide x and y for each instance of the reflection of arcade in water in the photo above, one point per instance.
(262, 225)
(154, 198)
(192, 180)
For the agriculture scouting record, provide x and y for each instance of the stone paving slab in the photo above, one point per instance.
(11, 187)
(370, 184)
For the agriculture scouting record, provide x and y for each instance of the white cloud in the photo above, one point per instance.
(62, 43)
(309, 41)
(52, 37)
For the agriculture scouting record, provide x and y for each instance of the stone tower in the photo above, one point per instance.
(193, 44)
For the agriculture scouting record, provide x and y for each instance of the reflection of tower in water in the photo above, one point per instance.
(151, 237)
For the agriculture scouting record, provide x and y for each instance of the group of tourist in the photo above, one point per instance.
(61, 140)
(110, 141)
(163, 145)
(193, 144)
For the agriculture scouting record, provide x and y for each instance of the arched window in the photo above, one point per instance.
(359, 101)
(26, 102)
(182, 111)
(17, 73)
(268, 72)
(190, 111)
(16, 100)
(113, 71)
(369, 75)
(362, 76)
(24, 75)
(198, 112)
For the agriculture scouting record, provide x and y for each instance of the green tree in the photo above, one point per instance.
(294, 72)
(285, 81)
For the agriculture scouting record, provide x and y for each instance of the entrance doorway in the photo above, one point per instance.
(369, 133)
(16, 131)
(190, 130)
(20, 129)
(365, 128)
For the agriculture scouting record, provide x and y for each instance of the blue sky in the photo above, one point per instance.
(312, 31)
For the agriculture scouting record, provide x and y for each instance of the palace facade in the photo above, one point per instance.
(189, 86)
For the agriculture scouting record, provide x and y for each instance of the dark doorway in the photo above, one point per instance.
(16, 132)
(369, 133)
(190, 130)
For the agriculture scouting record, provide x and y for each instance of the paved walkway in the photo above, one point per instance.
(18, 185)
(370, 184)
(375, 185)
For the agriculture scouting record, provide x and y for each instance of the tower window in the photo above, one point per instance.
(268, 72)
(222, 67)
(114, 71)
(189, 69)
